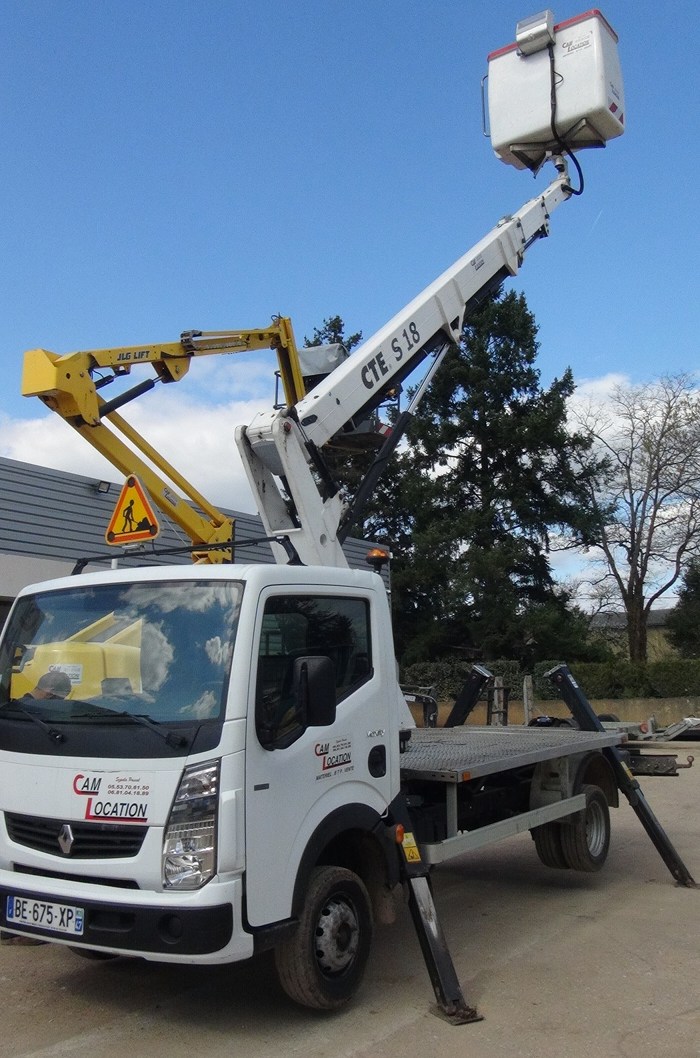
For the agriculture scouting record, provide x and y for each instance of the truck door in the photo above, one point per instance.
(296, 773)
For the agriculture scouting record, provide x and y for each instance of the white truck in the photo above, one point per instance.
(199, 763)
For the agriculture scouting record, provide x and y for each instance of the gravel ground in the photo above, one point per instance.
(559, 964)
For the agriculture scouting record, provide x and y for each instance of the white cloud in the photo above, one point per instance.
(203, 708)
(599, 389)
(50, 442)
(157, 655)
(191, 424)
(194, 436)
(217, 650)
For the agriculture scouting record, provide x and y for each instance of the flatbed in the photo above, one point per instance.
(453, 758)
(456, 755)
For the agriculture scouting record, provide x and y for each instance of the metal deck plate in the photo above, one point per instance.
(457, 754)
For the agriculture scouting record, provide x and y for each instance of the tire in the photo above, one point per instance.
(608, 718)
(322, 963)
(547, 840)
(586, 841)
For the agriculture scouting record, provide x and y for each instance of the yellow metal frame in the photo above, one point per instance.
(65, 384)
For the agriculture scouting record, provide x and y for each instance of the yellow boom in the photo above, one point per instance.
(67, 384)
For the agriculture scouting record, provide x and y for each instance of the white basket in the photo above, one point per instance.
(590, 107)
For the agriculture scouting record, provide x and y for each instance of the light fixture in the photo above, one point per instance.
(535, 33)
(102, 487)
(377, 558)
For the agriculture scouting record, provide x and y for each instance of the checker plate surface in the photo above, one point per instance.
(446, 754)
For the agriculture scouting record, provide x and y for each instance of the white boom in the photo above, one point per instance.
(279, 448)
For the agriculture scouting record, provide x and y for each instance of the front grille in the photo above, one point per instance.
(90, 840)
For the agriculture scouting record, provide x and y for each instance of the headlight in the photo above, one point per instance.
(189, 843)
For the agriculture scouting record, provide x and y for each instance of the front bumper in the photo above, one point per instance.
(133, 922)
(156, 930)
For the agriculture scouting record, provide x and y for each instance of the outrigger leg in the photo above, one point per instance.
(451, 1004)
(583, 713)
(448, 992)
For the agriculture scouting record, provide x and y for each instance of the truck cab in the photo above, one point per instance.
(221, 733)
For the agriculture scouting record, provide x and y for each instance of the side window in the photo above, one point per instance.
(298, 626)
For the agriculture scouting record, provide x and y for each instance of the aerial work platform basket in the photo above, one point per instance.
(557, 87)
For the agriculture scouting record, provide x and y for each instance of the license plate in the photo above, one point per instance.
(61, 918)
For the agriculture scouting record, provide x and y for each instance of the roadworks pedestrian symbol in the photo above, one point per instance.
(133, 519)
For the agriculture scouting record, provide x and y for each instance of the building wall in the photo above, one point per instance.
(612, 629)
(50, 519)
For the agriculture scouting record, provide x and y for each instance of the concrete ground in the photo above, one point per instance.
(561, 965)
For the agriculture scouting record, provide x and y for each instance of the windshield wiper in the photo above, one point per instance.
(54, 734)
(176, 741)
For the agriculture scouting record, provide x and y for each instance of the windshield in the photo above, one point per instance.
(159, 649)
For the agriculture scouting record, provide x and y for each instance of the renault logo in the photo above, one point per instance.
(65, 839)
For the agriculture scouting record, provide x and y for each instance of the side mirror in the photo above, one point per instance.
(314, 687)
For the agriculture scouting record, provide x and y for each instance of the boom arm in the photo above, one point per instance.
(69, 385)
(280, 449)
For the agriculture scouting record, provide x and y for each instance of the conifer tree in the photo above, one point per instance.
(488, 486)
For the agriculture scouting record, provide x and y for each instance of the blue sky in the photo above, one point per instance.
(180, 165)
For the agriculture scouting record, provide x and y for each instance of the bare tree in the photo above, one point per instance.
(648, 499)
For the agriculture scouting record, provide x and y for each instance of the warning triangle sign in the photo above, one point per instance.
(133, 518)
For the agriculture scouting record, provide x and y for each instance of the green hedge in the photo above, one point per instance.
(656, 679)
(447, 676)
(609, 679)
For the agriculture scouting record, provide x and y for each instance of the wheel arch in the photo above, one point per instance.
(356, 837)
(595, 770)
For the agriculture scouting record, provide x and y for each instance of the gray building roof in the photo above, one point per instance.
(50, 519)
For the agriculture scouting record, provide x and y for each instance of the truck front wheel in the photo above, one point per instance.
(321, 964)
(586, 841)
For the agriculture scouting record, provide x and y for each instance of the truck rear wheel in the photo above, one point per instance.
(547, 840)
(586, 841)
(322, 963)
